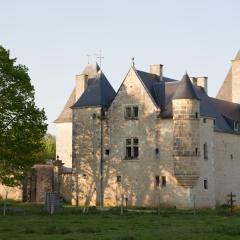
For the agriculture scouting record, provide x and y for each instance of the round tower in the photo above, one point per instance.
(186, 142)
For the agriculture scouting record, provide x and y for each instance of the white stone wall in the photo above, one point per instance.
(227, 169)
(86, 156)
(205, 197)
(138, 176)
(64, 143)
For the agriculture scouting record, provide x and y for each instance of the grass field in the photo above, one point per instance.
(30, 222)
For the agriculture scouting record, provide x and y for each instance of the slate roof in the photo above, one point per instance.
(66, 115)
(224, 113)
(185, 89)
(98, 93)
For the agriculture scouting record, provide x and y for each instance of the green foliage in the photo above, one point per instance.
(49, 148)
(22, 124)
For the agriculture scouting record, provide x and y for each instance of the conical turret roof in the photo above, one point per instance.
(185, 89)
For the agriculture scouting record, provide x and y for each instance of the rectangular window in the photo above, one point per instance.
(119, 179)
(132, 148)
(164, 181)
(131, 112)
(157, 181)
(236, 126)
(204, 120)
(205, 151)
(135, 112)
(196, 151)
(128, 112)
(205, 184)
(107, 151)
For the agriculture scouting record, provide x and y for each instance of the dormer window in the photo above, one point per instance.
(131, 112)
(236, 126)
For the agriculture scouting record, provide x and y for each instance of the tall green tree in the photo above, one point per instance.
(22, 123)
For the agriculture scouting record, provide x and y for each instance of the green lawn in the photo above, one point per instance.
(32, 223)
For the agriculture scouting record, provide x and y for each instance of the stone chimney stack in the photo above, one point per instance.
(158, 70)
(201, 82)
(81, 85)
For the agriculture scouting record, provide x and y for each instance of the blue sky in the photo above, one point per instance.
(52, 38)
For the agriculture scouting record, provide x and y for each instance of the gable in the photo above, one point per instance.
(133, 91)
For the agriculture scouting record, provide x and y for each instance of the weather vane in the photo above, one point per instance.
(100, 57)
(88, 57)
(133, 63)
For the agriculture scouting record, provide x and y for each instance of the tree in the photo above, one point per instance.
(22, 123)
(49, 150)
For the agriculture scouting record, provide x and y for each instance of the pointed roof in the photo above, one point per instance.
(98, 93)
(185, 89)
(66, 115)
(238, 55)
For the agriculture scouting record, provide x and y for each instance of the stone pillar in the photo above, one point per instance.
(186, 141)
(57, 172)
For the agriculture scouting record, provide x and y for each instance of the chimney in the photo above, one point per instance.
(81, 85)
(158, 70)
(201, 82)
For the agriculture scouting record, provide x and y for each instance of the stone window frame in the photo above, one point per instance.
(205, 184)
(163, 181)
(157, 181)
(131, 112)
(157, 153)
(107, 151)
(236, 126)
(132, 148)
(119, 179)
(196, 151)
(205, 151)
(214, 122)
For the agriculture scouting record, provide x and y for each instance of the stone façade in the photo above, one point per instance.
(171, 133)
